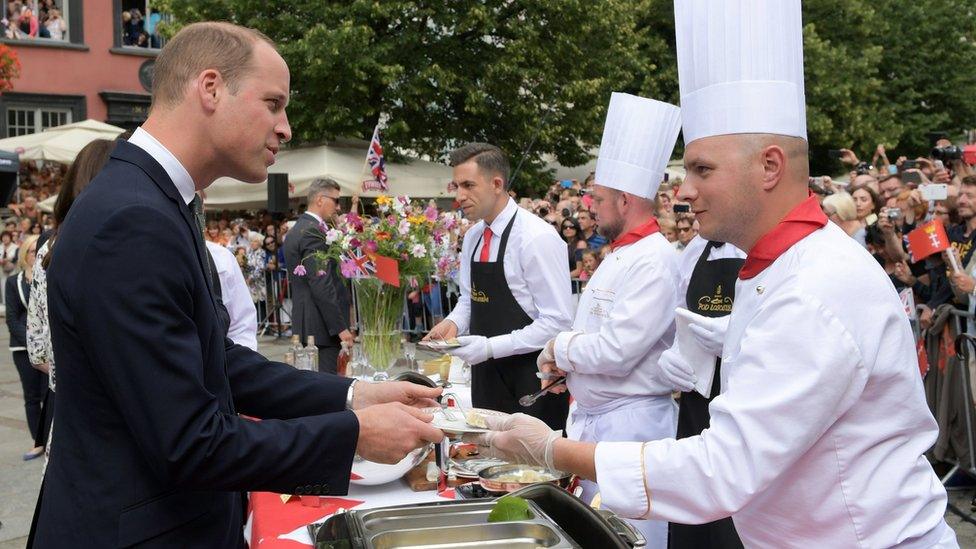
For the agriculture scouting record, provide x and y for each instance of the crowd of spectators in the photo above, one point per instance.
(31, 19)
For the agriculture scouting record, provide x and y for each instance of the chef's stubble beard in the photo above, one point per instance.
(611, 229)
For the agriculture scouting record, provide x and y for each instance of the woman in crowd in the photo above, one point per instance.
(574, 243)
(213, 232)
(86, 165)
(17, 291)
(840, 208)
(668, 228)
(254, 274)
(867, 204)
(55, 25)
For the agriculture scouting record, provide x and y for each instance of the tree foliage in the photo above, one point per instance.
(514, 72)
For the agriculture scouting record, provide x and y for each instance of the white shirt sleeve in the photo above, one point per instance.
(236, 298)
(546, 274)
(622, 342)
(798, 370)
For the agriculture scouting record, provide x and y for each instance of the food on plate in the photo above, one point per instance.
(525, 477)
(475, 419)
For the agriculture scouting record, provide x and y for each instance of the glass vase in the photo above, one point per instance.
(380, 308)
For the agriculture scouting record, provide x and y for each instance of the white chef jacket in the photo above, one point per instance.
(818, 435)
(536, 272)
(624, 321)
(236, 298)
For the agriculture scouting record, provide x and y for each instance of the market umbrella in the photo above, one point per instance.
(61, 143)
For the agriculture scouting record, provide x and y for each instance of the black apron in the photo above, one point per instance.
(498, 383)
(711, 292)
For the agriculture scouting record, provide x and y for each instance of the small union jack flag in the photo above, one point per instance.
(357, 263)
(374, 158)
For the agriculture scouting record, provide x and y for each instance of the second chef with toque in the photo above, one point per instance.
(625, 318)
(515, 291)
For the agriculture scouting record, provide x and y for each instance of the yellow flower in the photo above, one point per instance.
(417, 219)
(383, 200)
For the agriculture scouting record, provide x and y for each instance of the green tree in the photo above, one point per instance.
(443, 73)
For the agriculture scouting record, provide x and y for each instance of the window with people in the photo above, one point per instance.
(35, 19)
(139, 24)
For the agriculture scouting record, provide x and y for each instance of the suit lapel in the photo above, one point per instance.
(132, 154)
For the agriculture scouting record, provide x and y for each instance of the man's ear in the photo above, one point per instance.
(208, 88)
(499, 184)
(773, 163)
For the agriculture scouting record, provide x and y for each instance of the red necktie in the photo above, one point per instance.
(486, 246)
(800, 222)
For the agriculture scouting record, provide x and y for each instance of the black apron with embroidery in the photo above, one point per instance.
(711, 292)
(497, 384)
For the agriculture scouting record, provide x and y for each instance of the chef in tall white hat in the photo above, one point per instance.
(817, 438)
(610, 356)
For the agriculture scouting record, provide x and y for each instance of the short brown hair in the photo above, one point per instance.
(969, 180)
(489, 158)
(224, 47)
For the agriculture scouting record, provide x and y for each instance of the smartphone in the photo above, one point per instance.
(909, 164)
(834, 153)
(934, 191)
(681, 208)
(914, 178)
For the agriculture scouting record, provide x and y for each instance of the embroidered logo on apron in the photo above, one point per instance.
(716, 302)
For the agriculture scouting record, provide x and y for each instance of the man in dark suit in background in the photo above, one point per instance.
(320, 304)
(151, 451)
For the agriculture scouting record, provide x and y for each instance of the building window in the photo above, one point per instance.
(21, 121)
(137, 24)
(24, 113)
(44, 20)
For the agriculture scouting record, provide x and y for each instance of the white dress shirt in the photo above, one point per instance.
(624, 321)
(174, 169)
(236, 297)
(688, 258)
(537, 274)
(819, 434)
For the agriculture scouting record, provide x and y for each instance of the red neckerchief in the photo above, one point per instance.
(646, 229)
(800, 222)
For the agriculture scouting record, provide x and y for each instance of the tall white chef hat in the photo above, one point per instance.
(740, 67)
(638, 139)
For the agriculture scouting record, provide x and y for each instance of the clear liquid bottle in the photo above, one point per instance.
(311, 355)
(297, 352)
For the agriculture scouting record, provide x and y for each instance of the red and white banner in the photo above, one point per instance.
(376, 163)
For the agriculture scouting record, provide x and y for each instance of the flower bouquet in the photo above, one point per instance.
(387, 256)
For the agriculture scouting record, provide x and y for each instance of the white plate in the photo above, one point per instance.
(452, 421)
(439, 345)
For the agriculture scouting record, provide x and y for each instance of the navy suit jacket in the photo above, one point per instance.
(149, 449)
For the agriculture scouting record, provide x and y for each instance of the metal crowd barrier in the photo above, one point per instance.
(964, 346)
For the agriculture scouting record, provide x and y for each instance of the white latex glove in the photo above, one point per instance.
(710, 332)
(677, 372)
(547, 355)
(473, 349)
(518, 438)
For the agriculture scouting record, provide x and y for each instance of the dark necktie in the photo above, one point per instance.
(196, 206)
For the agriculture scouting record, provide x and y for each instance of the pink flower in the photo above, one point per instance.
(320, 273)
(355, 243)
(431, 214)
(371, 246)
(299, 270)
(348, 268)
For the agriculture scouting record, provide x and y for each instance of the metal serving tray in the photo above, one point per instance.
(460, 524)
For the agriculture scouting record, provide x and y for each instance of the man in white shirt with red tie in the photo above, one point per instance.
(818, 436)
(610, 357)
(515, 289)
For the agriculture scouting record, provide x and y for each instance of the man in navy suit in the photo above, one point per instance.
(150, 450)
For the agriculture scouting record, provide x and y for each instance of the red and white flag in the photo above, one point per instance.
(927, 239)
(376, 163)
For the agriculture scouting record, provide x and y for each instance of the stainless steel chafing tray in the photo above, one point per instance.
(559, 520)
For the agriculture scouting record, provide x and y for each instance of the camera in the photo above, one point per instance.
(681, 208)
(566, 212)
(909, 165)
(947, 154)
(863, 168)
(894, 214)
(543, 211)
